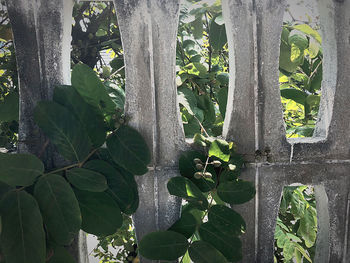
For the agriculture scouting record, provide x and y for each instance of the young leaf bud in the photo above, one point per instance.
(216, 163)
(231, 167)
(208, 175)
(197, 160)
(198, 175)
(199, 167)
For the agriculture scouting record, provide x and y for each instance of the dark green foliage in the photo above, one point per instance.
(41, 206)
(219, 236)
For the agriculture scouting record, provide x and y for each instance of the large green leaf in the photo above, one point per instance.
(203, 252)
(298, 96)
(187, 99)
(89, 117)
(63, 129)
(220, 149)
(23, 236)
(4, 189)
(19, 169)
(285, 62)
(308, 226)
(236, 192)
(101, 214)
(230, 246)
(87, 180)
(9, 108)
(163, 245)
(61, 255)
(59, 207)
(309, 31)
(205, 103)
(129, 150)
(186, 225)
(217, 35)
(227, 220)
(90, 87)
(184, 188)
(298, 39)
(122, 186)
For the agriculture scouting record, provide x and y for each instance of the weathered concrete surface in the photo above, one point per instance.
(148, 31)
(322, 161)
(42, 33)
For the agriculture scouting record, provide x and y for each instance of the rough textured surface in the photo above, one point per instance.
(42, 33)
(148, 31)
(254, 111)
(321, 161)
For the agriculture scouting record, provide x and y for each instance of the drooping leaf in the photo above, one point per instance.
(186, 225)
(222, 96)
(184, 188)
(203, 252)
(236, 192)
(89, 117)
(61, 255)
(100, 213)
(23, 236)
(19, 169)
(63, 129)
(294, 94)
(309, 31)
(59, 207)
(87, 180)
(9, 108)
(220, 149)
(187, 99)
(197, 25)
(163, 245)
(217, 35)
(90, 87)
(230, 246)
(129, 150)
(227, 220)
(122, 186)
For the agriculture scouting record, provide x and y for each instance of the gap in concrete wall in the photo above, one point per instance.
(202, 67)
(301, 60)
(96, 41)
(296, 227)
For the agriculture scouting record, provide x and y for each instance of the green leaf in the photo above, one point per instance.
(236, 192)
(101, 214)
(122, 185)
(63, 129)
(294, 94)
(186, 225)
(129, 150)
(203, 252)
(205, 103)
(308, 227)
(309, 31)
(187, 99)
(298, 39)
(230, 246)
(90, 87)
(163, 245)
(313, 100)
(19, 169)
(217, 36)
(60, 255)
(89, 117)
(223, 78)
(87, 180)
(285, 62)
(23, 236)
(9, 108)
(222, 96)
(184, 188)
(59, 207)
(117, 94)
(188, 169)
(220, 149)
(227, 220)
(4, 189)
(197, 25)
(288, 250)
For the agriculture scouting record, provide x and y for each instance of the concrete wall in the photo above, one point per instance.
(254, 110)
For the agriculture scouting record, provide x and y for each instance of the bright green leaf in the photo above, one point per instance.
(220, 149)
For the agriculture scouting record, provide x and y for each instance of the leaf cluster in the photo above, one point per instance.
(208, 229)
(43, 209)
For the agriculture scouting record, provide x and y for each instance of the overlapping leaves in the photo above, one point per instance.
(90, 193)
(212, 228)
